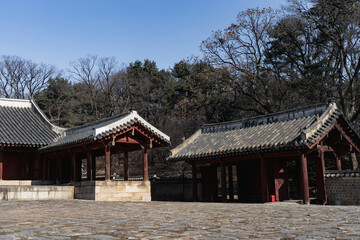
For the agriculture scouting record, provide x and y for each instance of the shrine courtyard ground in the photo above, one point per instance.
(78, 219)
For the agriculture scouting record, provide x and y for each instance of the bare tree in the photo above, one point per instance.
(21, 78)
(240, 49)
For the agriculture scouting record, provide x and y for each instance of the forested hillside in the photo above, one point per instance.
(265, 61)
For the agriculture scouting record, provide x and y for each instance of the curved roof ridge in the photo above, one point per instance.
(286, 115)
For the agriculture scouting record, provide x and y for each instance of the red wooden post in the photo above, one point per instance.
(238, 179)
(305, 180)
(107, 163)
(73, 166)
(89, 171)
(264, 180)
(231, 182)
(43, 159)
(93, 165)
(223, 181)
(338, 162)
(1, 164)
(48, 169)
(126, 166)
(320, 179)
(194, 182)
(146, 168)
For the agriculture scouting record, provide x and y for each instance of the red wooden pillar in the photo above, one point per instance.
(1, 164)
(107, 162)
(93, 167)
(320, 179)
(223, 181)
(194, 182)
(145, 163)
(231, 182)
(58, 170)
(238, 179)
(48, 173)
(338, 162)
(126, 166)
(264, 180)
(73, 166)
(305, 180)
(43, 159)
(89, 171)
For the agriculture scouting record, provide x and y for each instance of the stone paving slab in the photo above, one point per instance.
(81, 219)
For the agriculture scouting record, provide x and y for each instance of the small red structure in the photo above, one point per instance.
(31, 148)
(261, 148)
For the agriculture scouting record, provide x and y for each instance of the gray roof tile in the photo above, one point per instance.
(23, 125)
(292, 129)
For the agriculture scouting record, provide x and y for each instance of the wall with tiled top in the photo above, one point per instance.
(343, 187)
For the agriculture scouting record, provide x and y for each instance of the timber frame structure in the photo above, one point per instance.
(31, 148)
(260, 148)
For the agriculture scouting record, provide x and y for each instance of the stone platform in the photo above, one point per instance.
(95, 190)
(113, 190)
(40, 192)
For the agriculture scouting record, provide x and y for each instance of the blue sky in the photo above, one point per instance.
(166, 31)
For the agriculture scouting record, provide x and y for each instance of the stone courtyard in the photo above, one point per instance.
(79, 219)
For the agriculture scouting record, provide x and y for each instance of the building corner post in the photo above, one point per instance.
(305, 179)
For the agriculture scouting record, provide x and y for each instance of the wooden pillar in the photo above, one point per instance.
(145, 164)
(126, 166)
(48, 172)
(58, 170)
(107, 162)
(43, 159)
(231, 182)
(304, 178)
(93, 167)
(194, 182)
(320, 179)
(338, 162)
(73, 167)
(223, 181)
(264, 180)
(89, 171)
(238, 179)
(1, 164)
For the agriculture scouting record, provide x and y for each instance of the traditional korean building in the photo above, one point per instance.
(31, 148)
(252, 156)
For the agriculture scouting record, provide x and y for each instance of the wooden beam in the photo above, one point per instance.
(343, 133)
(145, 164)
(194, 182)
(223, 181)
(304, 178)
(107, 162)
(126, 166)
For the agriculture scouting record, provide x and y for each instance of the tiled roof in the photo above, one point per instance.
(23, 124)
(292, 129)
(103, 128)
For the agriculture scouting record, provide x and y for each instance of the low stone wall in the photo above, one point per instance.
(113, 190)
(343, 187)
(173, 189)
(26, 192)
